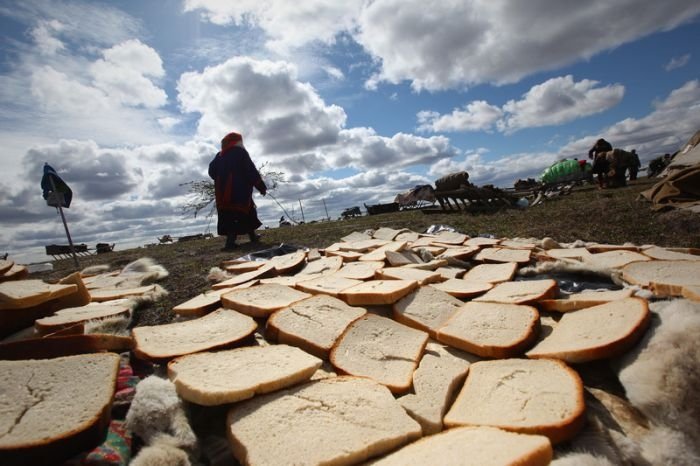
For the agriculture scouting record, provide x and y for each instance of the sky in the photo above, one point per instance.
(354, 101)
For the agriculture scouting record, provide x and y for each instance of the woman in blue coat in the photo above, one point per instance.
(235, 176)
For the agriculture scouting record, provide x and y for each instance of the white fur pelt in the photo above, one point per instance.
(581, 459)
(565, 266)
(163, 450)
(94, 270)
(157, 410)
(148, 270)
(661, 376)
(217, 275)
(118, 325)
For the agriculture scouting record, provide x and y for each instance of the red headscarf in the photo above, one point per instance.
(230, 140)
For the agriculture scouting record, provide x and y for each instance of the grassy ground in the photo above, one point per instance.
(609, 216)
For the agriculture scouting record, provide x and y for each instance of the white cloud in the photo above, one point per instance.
(287, 24)
(677, 62)
(334, 72)
(553, 102)
(125, 72)
(43, 35)
(264, 101)
(447, 44)
(557, 101)
(477, 115)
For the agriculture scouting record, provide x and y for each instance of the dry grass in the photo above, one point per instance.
(610, 216)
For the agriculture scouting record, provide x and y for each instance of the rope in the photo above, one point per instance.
(283, 209)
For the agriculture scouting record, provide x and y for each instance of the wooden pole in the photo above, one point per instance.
(326, 209)
(65, 225)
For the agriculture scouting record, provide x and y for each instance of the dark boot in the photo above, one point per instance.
(253, 237)
(230, 243)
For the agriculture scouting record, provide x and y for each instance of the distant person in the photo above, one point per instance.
(235, 176)
(636, 165)
(619, 161)
(600, 163)
(284, 222)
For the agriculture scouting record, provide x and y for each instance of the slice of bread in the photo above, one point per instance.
(322, 266)
(396, 259)
(500, 255)
(431, 265)
(263, 271)
(16, 272)
(379, 254)
(5, 265)
(218, 329)
(202, 304)
(53, 409)
(313, 324)
(381, 349)
(614, 259)
(387, 234)
(64, 345)
(378, 292)
(491, 330)
(578, 254)
(448, 272)
(492, 273)
(426, 308)
(237, 266)
(262, 300)
(212, 379)
(347, 256)
(478, 241)
(100, 295)
(441, 373)
(473, 446)
(408, 236)
(691, 292)
(22, 294)
(597, 332)
(328, 284)
(356, 236)
(360, 270)
(77, 316)
(541, 397)
(665, 278)
(363, 245)
(462, 253)
(423, 277)
(334, 421)
(288, 263)
(666, 254)
(597, 248)
(463, 288)
(450, 237)
(521, 292)
(584, 299)
(515, 244)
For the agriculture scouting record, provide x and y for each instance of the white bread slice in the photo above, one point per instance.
(426, 308)
(347, 256)
(447, 272)
(77, 316)
(396, 259)
(520, 256)
(212, 379)
(324, 266)
(491, 330)
(22, 294)
(521, 292)
(584, 299)
(597, 332)
(237, 266)
(313, 324)
(100, 295)
(481, 242)
(203, 303)
(261, 272)
(423, 277)
(387, 234)
(614, 259)
(16, 272)
(440, 374)
(450, 237)
(286, 280)
(431, 265)
(492, 273)
(262, 300)
(381, 349)
(666, 254)
(463, 288)
(5, 265)
(356, 236)
(53, 409)
(424, 240)
(359, 270)
(334, 421)
(218, 329)
(596, 248)
(363, 245)
(665, 278)
(578, 254)
(434, 250)
(379, 254)
(691, 292)
(288, 263)
(327, 284)
(378, 292)
(515, 244)
(462, 253)
(473, 446)
(541, 397)
(409, 236)
(52, 346)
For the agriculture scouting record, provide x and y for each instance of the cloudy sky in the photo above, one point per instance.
(355, 101)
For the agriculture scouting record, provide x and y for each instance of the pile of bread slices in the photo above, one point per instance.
(406, 347)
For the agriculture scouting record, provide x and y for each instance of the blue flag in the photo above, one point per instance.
(56, 191)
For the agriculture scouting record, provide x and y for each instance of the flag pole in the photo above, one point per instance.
(65, 225)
